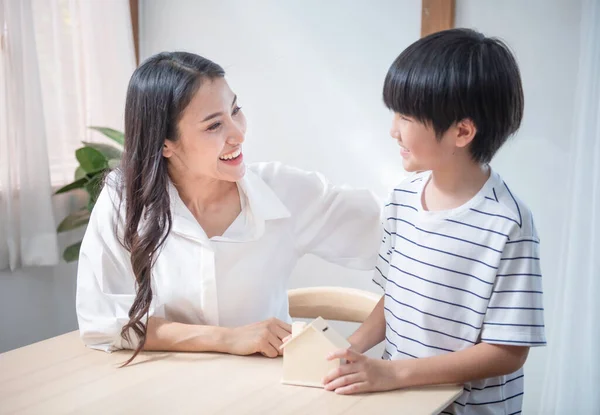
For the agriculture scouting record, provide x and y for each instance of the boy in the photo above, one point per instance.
(459, 261)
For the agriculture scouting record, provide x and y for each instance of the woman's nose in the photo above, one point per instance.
(237, 135)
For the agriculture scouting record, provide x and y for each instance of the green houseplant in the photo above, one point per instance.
(95, 161)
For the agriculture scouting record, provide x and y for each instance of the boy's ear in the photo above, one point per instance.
(465, 132)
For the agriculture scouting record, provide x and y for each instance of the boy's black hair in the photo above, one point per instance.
(456, 74)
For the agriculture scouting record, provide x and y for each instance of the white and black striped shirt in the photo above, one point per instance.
(456, 278)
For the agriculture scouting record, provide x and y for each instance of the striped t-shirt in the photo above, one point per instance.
(456, 278)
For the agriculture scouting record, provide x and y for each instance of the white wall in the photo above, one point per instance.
(39, 303)
(309, 76)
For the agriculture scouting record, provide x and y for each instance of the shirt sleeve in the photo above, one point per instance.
(339, 224)
(515, 315)
(105, 282)
(385, 250)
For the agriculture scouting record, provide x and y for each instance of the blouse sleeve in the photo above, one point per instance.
(339, 224)
(105, 280)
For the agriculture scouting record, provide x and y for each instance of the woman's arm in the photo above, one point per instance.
(264, 337)
(339, 224)
(163, 335)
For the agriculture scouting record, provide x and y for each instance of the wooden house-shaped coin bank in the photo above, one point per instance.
(305, 353)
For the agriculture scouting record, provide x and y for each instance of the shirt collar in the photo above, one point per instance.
(263, 205)
(262, 200)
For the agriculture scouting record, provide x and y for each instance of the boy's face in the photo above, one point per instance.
(420, 148)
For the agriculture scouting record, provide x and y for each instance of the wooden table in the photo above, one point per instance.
(61, 375)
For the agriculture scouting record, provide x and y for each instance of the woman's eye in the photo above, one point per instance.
(214, 126)
(236, 110)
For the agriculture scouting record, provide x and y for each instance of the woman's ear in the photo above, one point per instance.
(465, 132)
(167, 149)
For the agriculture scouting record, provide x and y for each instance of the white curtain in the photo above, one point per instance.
(65, 65)
(573, 372)
(27, 222)
(86, 54)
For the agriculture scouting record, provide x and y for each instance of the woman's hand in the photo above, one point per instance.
(264, 338)
(360, 374)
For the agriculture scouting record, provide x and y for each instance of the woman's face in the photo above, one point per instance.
(211, 133)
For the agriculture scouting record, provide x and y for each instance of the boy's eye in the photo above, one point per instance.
(236, 110)
(214, 126)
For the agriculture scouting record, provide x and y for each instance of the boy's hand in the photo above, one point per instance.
(360, 374)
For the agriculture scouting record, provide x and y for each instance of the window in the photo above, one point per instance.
(85, 57)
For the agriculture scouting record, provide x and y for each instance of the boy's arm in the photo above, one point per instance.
(371, 332)
(481, 361)
(477, 362)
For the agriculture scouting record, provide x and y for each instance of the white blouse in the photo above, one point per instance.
(231, 280)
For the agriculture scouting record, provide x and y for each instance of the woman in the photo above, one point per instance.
(186, 249)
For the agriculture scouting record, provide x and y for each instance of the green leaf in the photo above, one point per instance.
(116, 136)
(113, 163)
(110, 152)
(77, 184)
(93, 187)
(91, 160)
(74, 221)
(80, 173)
(71, 253)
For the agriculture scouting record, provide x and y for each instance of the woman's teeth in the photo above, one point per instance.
(232, 156)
